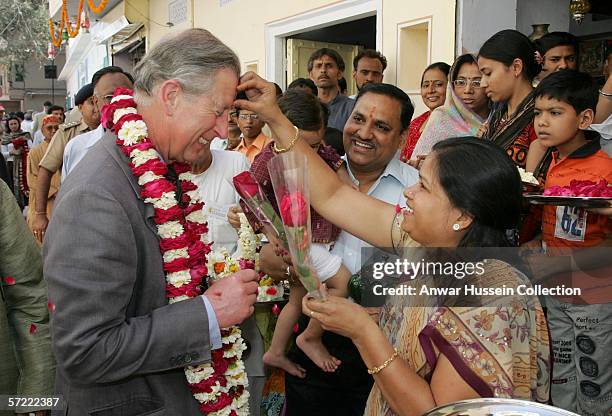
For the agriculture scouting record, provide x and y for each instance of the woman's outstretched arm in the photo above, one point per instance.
(361, 215)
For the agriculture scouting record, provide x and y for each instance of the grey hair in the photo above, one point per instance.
(192, 57)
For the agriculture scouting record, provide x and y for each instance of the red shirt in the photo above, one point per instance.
(575, 227)
(570, 227)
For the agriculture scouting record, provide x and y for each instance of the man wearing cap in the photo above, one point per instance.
(50, 125)
(51, 161)
(77, 148)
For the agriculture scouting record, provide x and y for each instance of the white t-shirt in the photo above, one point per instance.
(217, 190)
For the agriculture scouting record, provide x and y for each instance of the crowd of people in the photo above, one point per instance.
(89, 302)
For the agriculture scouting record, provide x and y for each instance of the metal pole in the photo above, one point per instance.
(53, 84)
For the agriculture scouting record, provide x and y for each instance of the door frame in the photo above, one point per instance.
(277, 31)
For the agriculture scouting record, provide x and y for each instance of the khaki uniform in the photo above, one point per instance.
(52, 160)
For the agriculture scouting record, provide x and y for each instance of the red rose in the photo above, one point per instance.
(294, 210)
(176, 265)
(181, 241)
(271, 291)
(222, 401)
(164, 215)
(156, 188)
(246, 185)
(123, 91)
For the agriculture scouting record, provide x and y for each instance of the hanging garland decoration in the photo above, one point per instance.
(66, 24)
(72, 33)
(99, 8)
(57, 42)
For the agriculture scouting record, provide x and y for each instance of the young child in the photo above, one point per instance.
(580, 332)
(307, 113)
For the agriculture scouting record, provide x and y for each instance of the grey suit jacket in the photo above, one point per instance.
(120, 348)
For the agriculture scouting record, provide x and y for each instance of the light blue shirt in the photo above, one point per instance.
(78, 147)
(213, 325)
(389, 188)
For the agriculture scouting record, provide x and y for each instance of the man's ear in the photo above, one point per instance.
(169, 93)
(585, 118)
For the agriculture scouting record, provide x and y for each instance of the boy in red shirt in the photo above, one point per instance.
(582, 370)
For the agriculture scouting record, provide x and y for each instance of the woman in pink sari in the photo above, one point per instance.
(464, 111)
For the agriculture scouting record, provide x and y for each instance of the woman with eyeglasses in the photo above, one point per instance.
(464, 111)
(433, 93)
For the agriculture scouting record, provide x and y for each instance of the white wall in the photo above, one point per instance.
(479, 19)
(553, 12)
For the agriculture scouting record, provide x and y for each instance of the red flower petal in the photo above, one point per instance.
(296, 328)
(32, 328)
(9, 280)
(276, 310)
(398, 209)
(51, 306)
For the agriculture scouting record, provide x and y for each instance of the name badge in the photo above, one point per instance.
(217, 211)
(571, 223)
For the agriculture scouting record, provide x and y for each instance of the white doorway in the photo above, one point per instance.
(277, 32)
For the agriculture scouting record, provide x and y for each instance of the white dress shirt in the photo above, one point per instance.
(389, 188)
(78, 147)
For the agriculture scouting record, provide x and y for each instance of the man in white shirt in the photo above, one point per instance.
(78, 147)
(370, 160)
(213, 175)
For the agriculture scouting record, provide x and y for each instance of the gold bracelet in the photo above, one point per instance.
(381, 367)
(291, 144)
(41, 212)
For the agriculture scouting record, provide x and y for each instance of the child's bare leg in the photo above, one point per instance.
(275, 356)
(310, 341)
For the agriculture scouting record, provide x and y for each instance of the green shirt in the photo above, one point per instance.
(27, 366)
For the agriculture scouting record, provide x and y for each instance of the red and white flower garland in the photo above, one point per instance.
(219, 386)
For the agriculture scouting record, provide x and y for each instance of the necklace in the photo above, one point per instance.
(219, 386)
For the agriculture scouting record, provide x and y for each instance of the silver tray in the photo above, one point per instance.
(497, 407)
(569, 201)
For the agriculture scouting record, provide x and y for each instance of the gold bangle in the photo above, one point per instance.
(381, 367)
(41, 213)
(291, 144)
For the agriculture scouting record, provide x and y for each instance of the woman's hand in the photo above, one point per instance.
(339, 315)
(482, 129)
(261, 96)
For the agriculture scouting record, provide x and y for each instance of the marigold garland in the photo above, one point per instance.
(99, 8)
(57, 42)
(219, 386)
(72, 33)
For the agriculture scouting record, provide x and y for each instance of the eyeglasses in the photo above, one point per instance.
(233, 114)
(107, 98)
(465, 82)
(248, 116)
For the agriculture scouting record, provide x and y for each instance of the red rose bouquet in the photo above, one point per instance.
(290, 182)
(252, 195)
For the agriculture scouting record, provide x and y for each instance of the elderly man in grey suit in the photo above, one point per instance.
(120, 348)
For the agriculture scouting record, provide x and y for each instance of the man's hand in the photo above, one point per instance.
(232, 298)
(232, 216)
(39, 226)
